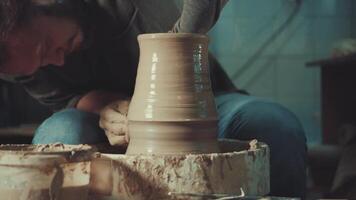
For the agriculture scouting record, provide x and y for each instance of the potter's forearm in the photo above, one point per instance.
(96, 100)
(199, 16)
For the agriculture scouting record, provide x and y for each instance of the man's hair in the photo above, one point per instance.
(12, 13)
(15, 13)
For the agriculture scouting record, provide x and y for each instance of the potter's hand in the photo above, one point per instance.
(113, 119)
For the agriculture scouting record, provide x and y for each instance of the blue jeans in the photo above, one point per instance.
(240, 117)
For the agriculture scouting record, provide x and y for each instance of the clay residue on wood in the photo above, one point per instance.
(253, 145)
(72, 153)
(56, 147)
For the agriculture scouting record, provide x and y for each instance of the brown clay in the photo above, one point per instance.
(172, 110)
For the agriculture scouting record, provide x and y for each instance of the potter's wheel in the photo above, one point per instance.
(241, 165)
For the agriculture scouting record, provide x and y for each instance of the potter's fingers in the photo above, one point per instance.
(121, 106)
(114, 128)
(103, 124)
(127, 137)
(112, 115)
(116, 140)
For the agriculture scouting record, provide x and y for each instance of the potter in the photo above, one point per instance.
(80, 59)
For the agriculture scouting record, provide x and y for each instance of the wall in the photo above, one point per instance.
(269, 61)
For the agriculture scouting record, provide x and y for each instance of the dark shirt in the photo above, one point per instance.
(110, 62)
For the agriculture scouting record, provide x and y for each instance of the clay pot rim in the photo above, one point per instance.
(158, 36)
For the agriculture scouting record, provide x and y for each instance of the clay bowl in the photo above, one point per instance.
(36, 172)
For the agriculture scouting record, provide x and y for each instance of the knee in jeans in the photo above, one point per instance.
(281, 130)
(272, 121)
(69, 126)
(69, 119)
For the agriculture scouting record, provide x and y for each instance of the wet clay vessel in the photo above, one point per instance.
(172, 110)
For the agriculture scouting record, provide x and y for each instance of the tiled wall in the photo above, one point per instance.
(274, 67)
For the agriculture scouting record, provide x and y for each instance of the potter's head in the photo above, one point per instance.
(37, 33)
